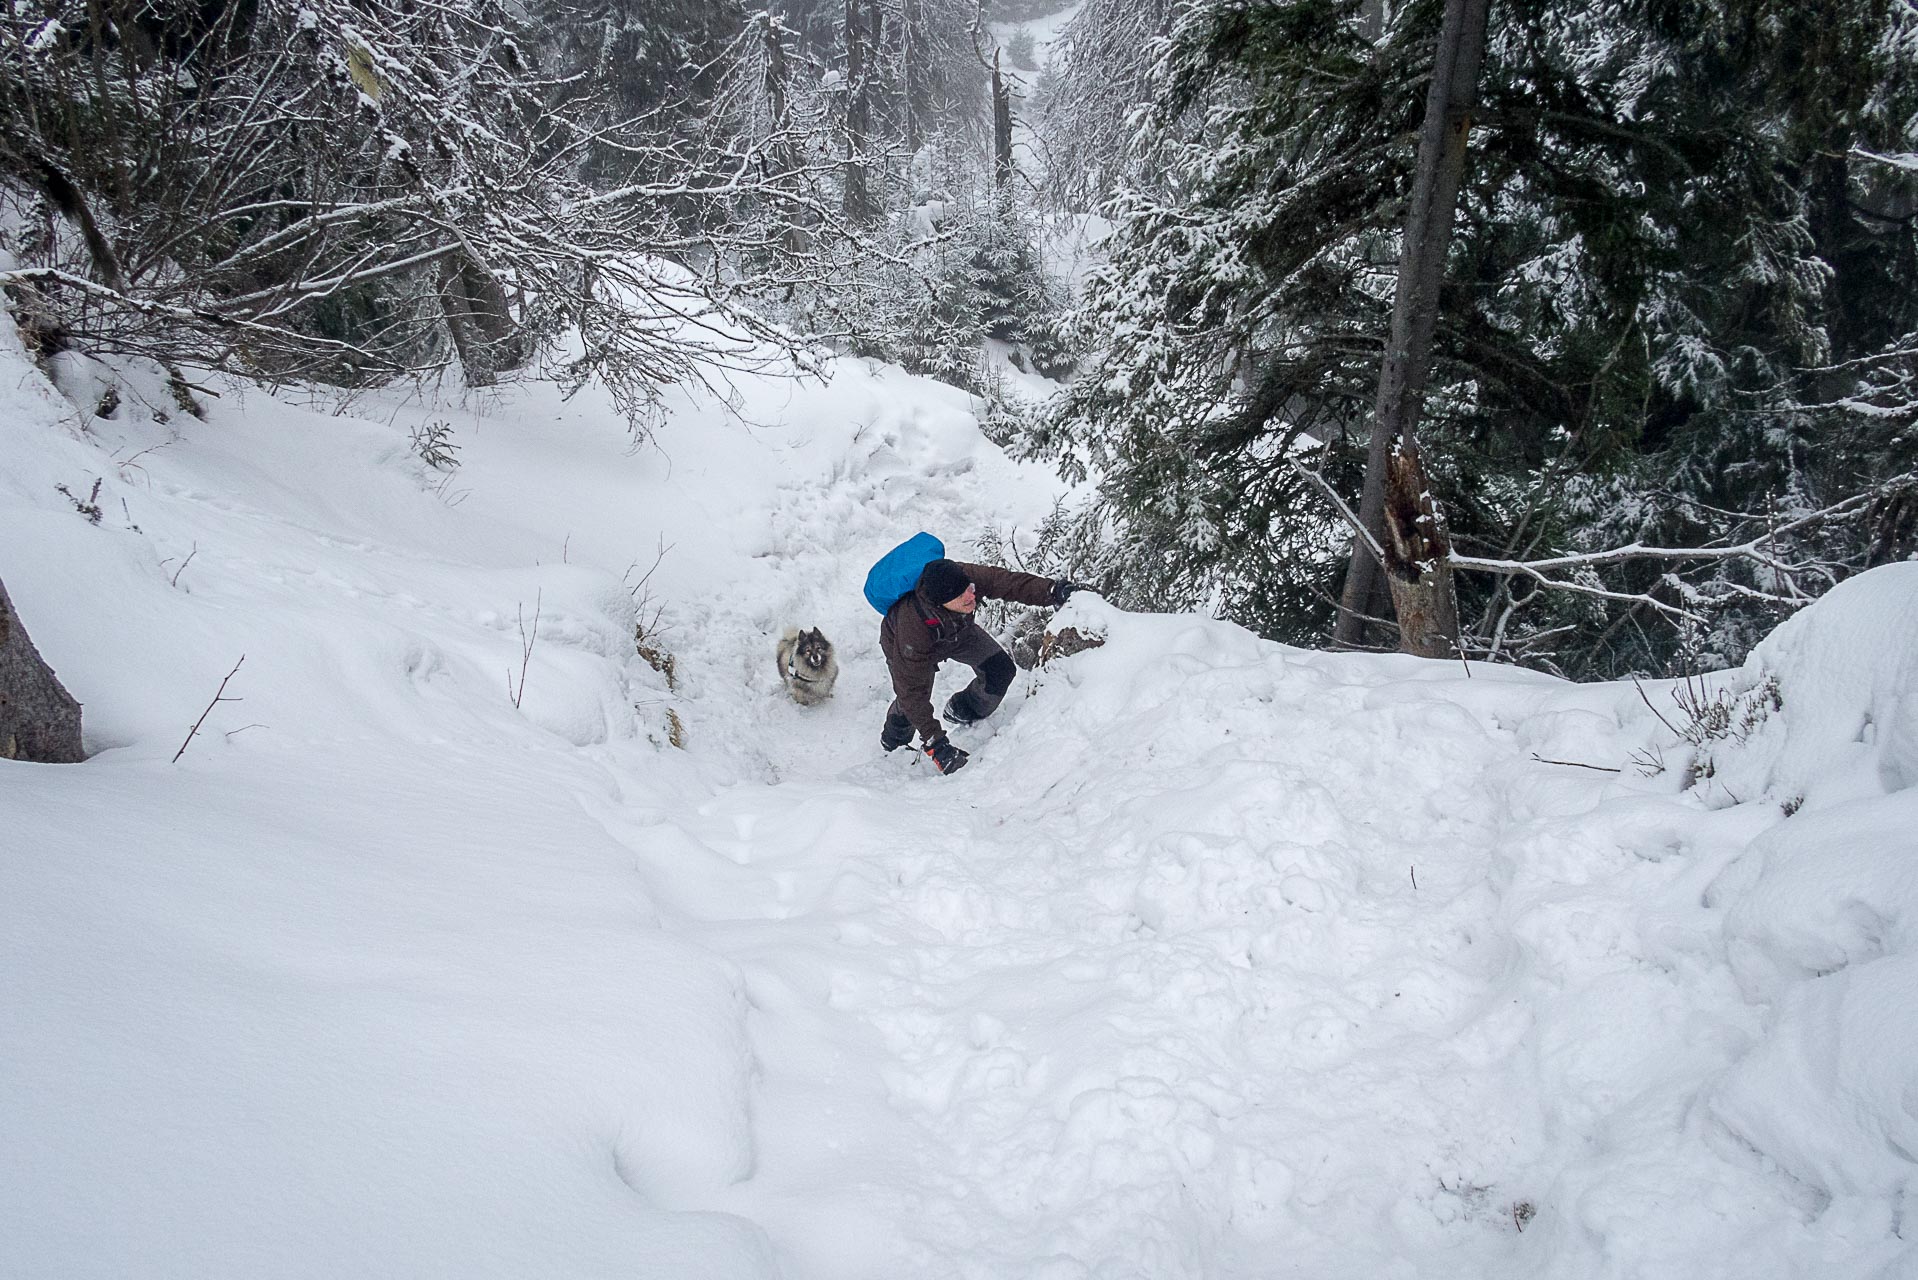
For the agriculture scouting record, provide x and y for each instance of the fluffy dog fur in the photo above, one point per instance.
(807, 666)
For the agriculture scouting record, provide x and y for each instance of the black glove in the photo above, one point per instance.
(1062, 590)
(946, 757)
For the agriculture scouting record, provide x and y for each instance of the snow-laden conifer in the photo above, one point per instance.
(1667, 232)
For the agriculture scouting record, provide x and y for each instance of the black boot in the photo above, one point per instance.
(896, 733)
(960, 709)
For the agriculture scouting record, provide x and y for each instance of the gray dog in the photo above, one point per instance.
(807, 666)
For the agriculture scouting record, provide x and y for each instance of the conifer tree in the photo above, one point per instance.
(1666, 232)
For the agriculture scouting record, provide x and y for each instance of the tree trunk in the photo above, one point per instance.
(910, 20)
(858, 196)
(1408, 356)
(66, 196)
(39, 720)
(1417, 551)
(480, 320)
(776, 105)
(1001, 136)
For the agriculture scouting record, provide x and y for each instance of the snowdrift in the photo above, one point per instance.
(1823, 909)
(514, 924)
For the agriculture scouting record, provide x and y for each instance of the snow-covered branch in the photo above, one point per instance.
(346, 189)
(1752, 549)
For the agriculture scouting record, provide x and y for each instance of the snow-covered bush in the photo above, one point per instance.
(1826, 707)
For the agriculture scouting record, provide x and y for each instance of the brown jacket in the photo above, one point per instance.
(918, 634)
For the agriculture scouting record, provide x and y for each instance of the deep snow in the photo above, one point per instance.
(1223, 959)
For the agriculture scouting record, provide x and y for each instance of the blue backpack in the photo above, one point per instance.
(898, 570)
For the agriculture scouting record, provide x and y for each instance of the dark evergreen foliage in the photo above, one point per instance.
(1666, 230)
(660, 61)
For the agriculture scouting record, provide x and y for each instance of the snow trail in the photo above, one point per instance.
(1207, 949)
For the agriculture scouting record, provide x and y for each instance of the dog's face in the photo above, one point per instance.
(813, 649)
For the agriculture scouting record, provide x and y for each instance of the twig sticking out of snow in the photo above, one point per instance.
(174, 581)
(1654, 710)
(526, 643)
(219, 696)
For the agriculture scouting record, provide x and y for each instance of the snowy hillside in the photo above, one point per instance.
(434, 955)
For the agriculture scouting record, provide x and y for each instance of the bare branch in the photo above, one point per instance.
(174, 581)
(1753, 550)
(1576, 764)
(1351, 518)
(526, 643)
(219, 696)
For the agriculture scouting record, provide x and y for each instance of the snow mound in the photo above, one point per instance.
(1844, 674)
(1822, 909)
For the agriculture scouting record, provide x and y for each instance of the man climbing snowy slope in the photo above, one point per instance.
(934, 622)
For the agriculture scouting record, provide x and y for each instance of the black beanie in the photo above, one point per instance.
(943, 580)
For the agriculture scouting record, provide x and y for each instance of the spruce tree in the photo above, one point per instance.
(1666, 232)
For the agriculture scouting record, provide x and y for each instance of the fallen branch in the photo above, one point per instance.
(1576, 764)
(219, 696)
(185, 315)
(1751, 549)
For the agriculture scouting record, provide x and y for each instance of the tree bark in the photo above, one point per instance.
(1001, 136)
(859, 204)
(1417, 548)
(776, 88)
(39, 720)
(480, 320)
(1408, 355)
(910, 20)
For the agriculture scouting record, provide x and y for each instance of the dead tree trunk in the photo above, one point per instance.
(39, 720)
(1417, 559)
(1422, 585)
(1372, 18)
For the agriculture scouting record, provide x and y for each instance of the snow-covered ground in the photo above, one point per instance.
(1046, 30)
(433, 955)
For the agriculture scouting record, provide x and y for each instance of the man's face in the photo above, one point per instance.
(966, 601)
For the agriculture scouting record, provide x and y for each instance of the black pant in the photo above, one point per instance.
(977, 700)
